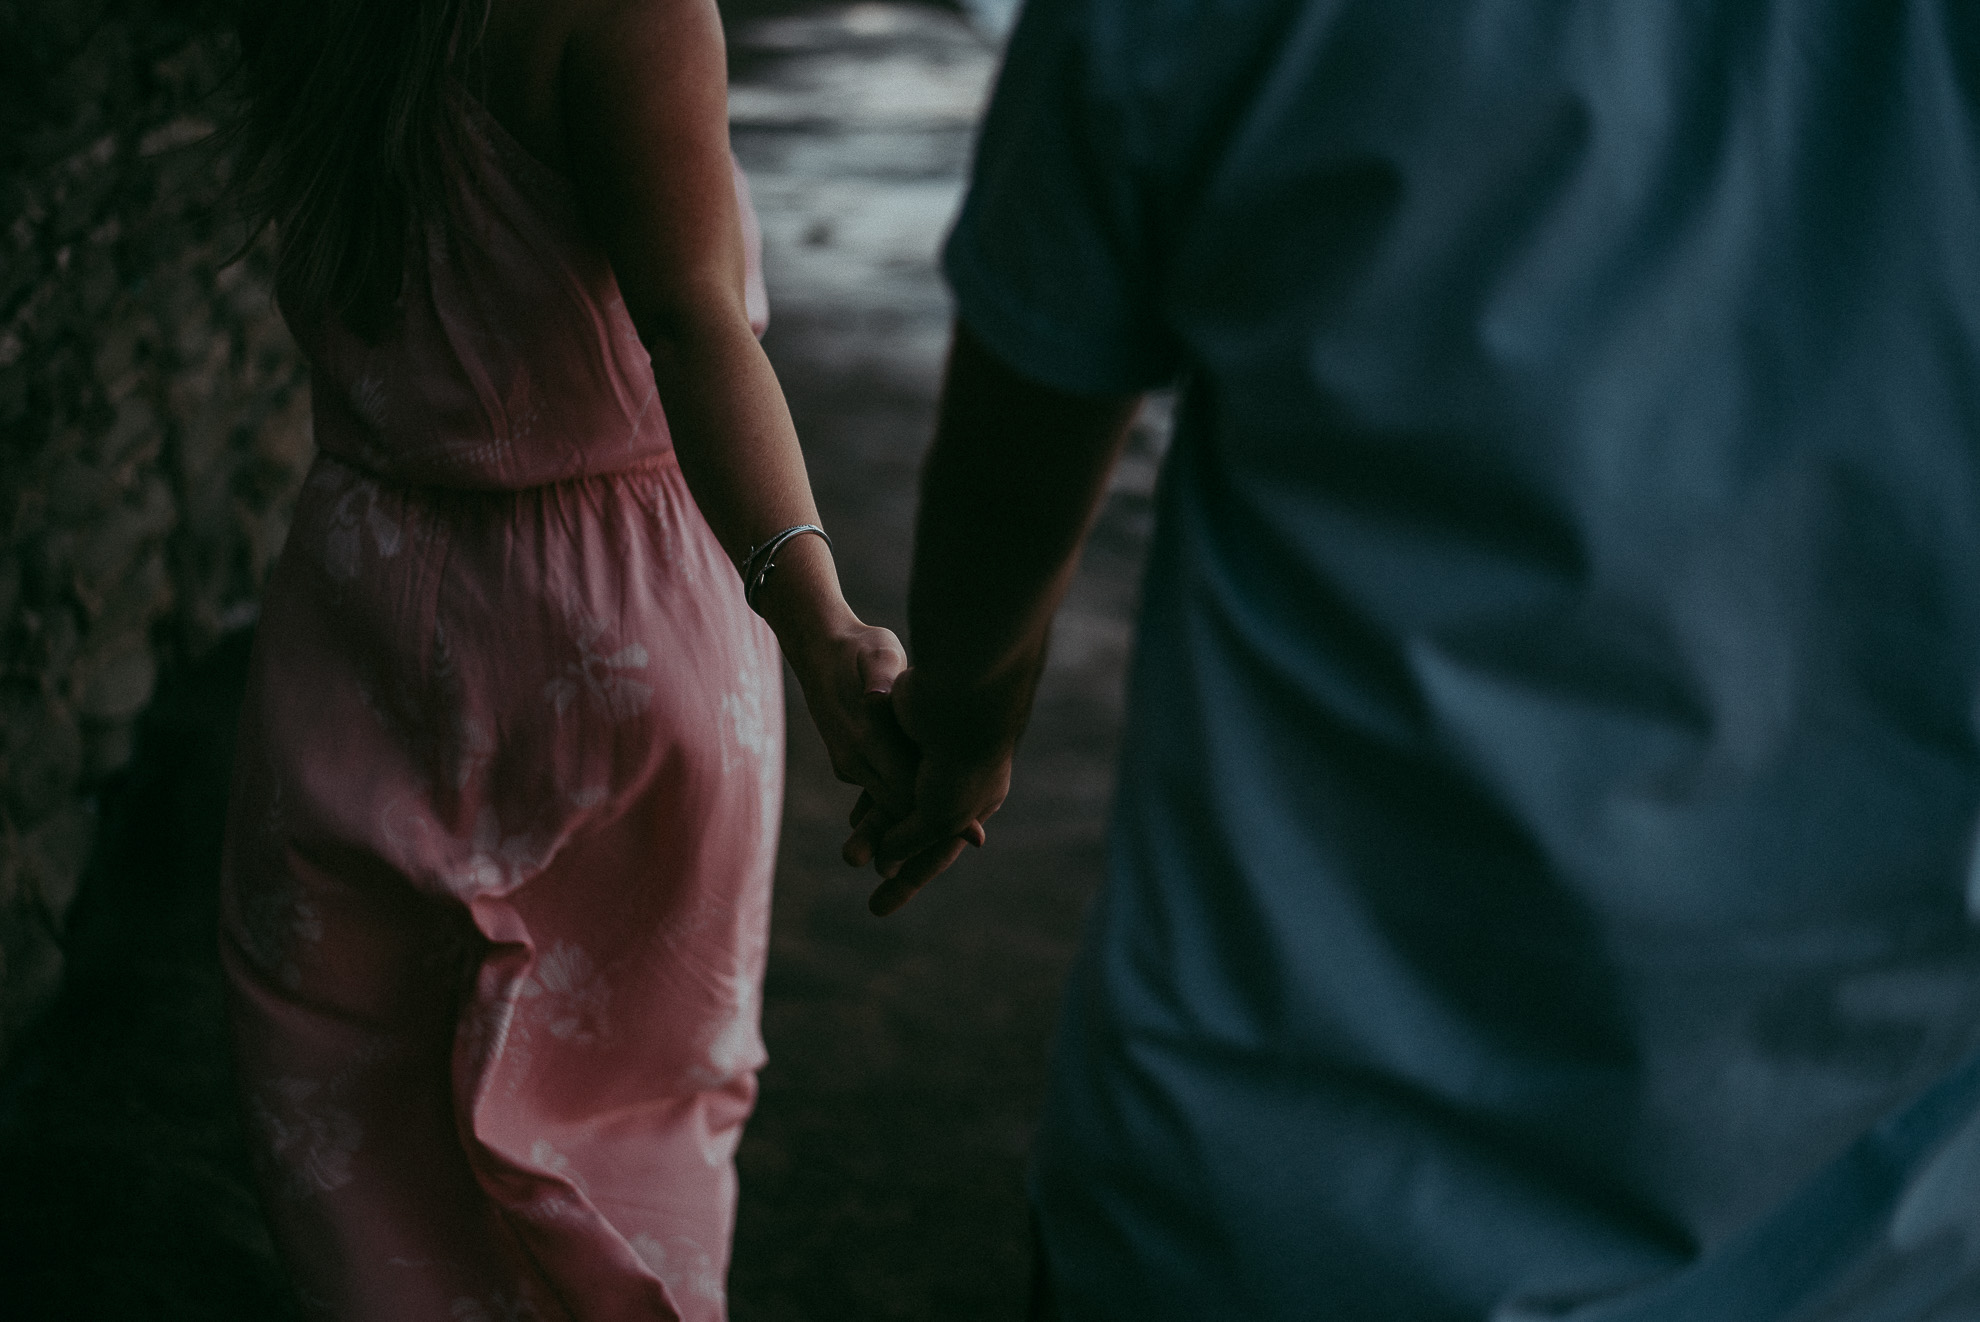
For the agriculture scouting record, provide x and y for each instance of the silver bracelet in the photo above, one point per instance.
(756, 566)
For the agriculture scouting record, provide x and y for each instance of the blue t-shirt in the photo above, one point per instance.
(1543, 875)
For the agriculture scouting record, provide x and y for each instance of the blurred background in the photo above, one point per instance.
(153, 431)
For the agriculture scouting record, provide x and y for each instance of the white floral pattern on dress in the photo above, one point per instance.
(735, 1044)
(554, 1203)
(682, 1265)
(368, 400)
(499, 861)
(731, 1050)
(483, 1036)
(747, 728)
(555, 1206)
(522, 409)
(500, 1306)
(357, 512)
(573, 996)
(474, 747)
(490, 860)
(749, 742)
(465, 744)
(601, 671)
(310, 1136)
(408, 831)
(276, 916)
(545, 1157)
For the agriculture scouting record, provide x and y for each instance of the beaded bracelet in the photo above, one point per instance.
(756, 566)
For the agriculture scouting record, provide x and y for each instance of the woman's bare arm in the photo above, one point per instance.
(643, 89)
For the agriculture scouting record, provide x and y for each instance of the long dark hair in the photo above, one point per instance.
(344, 145)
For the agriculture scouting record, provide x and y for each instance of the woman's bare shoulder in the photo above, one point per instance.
(523, 53)
(530, 46)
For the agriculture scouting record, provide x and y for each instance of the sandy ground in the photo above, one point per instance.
(882, 1175)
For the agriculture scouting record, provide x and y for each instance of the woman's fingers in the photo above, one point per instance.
(880, 664)
(859, 846)
(890, 759)
(861, 807)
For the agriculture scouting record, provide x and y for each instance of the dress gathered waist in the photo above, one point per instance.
(463, 456)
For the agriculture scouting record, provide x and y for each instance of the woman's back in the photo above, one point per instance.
(508, 359)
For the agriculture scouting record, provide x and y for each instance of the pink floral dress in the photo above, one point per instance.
(505, 808)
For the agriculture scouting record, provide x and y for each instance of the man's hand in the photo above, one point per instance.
(870, 825)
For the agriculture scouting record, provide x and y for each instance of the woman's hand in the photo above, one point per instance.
(847, 673)
(846, 668)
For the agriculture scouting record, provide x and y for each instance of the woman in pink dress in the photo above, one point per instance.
(508, 784)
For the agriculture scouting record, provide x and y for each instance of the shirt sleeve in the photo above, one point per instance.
(1050, 261)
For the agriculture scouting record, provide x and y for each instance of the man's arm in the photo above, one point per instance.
(1009, 491)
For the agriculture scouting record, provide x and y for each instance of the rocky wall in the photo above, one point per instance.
(153, 421)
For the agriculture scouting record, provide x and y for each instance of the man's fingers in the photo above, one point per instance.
(919, 831)
(869, 823)
(915, 873)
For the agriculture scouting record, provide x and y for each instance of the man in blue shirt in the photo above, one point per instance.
(1542, 880)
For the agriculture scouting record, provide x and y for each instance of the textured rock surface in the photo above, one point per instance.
(152, 422)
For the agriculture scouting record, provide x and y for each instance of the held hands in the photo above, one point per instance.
(846, 667)
(917, 807)
(961, 779)
(925, 791)
(848, 677)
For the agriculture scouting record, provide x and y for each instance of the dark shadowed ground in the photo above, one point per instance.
(126, 1193)
(882, 1175)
